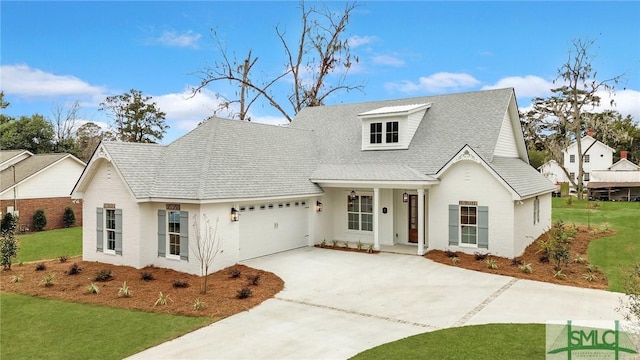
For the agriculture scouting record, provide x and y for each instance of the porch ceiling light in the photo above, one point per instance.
(235, 216)
(318, 206)
(405, 197)
(352, 195)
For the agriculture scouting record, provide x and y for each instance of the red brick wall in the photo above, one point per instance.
(53, 210)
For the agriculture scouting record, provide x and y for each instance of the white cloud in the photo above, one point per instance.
(184, 112)
(356, 40)
(525, 86)
(627, 102)
(388, 60)
(174, 39)
(23, 80)
(438, 82)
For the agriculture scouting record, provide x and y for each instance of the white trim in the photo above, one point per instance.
(392, 184)
(41, 170)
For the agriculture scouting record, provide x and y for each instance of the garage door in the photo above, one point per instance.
(273, 227)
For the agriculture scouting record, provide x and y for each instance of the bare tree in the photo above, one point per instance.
(65, 121)
(320, 54)
(207, 246)
(567, 113)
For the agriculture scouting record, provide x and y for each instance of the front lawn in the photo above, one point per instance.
(49, 244)
(493, 341)
(35, 328)
(612, 253)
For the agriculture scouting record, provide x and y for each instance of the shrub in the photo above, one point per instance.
(47, 280)
(359, 245)
(345, 244)
(526, 268)
(9, 222)
(559, 275)
(589, 276)
(146, 276)
(8, 247)
(480, 256)
(93, 289)
(162, 299)
(451, 254)
(234, 273)
(334, 243)
(74, 269)
(41, 267)
(254, 279)
(244, 293)
(198, 304)
(180, 284)
(68, 218)
(455, 260)
(63, 258)
(370, 248)
(39, 220)
(16, 278)
(124, 290)
(491, 263)
(323, 243)
(104, 275)
(579, 259)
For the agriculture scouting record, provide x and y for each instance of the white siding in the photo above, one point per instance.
(414, 120)
(624, 165)
(506, 144)
(600, 156)
(469, 181)
(554, 172)
(55, 181)
(525, 230)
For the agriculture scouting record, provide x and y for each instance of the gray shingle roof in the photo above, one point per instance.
(27, 168)
(522, 177)
(368, 172)
(8, 154)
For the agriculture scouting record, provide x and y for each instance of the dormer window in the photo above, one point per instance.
(391, 127)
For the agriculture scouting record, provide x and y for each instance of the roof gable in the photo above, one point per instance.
(587, 141)
(31, 166)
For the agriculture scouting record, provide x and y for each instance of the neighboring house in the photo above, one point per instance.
(596, 156)
(31, 182)
(621, 182)
(438, 172)
(554, 172)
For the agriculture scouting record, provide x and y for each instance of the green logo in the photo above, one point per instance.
(589, 342)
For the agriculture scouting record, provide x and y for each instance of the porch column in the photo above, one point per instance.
(420, 222)
(376, 216)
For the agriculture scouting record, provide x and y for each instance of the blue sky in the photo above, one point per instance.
(54, 53)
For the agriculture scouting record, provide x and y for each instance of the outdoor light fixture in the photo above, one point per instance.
(405, 197)
(318, 206)
(352, 195)
(235, 216)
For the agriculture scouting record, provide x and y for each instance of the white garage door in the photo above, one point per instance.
(273, 227)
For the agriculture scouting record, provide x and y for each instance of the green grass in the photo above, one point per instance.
(613, 253)
(493, 341)
(34, 328)
(49, 244)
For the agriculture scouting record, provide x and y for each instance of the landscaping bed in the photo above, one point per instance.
(576, 272)
(179, 289)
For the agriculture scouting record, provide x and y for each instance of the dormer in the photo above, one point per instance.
(391, 127)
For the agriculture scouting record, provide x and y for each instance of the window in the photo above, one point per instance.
(110, 229)
(392, 132)
(536, 210)
(572, 158)
(468, 225)
(360, 213)
(174, 233)
(376, 133)
(586, 176)
(572, 175)
(586, 158)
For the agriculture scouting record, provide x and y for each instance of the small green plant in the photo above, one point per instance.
(199, 304)
(104, 275)
(16, 279)
(74, 269)
(93, 288)
(491, 263)
(592, 268)
(579, 259)
(180, 284)
(334, 243)
(146, 276)
(526, 268)
(63, 258)
(68, 217)
(559, 274)
(455, 260)
(162, 299)
(47, 280)
(359, 245)
(590, 276)
(41, 267)
(370, 248)
(254, 279)
(235, 273)
(124, 290)
(569, 201)
(345, 244)
(39, 220)
(244, 293)
(323, 243)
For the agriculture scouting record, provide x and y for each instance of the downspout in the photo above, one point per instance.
(15, 195)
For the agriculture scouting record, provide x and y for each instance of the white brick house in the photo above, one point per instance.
(437, 172)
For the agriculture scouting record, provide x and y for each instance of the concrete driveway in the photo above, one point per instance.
(336, 304)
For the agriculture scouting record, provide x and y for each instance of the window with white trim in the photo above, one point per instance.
(376, 133)
(586, 176)
(173, 230)
(572, 176)
(536, 210)
(110, 230)
(587, 158)
(392, 132)
(572, 158)
(468, 225)
(360, 213)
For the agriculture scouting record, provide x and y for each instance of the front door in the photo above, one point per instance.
(413, 219)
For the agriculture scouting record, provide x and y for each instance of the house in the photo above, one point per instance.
(554, 172)
(437, 172)
(621, 182)
(31, 182)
